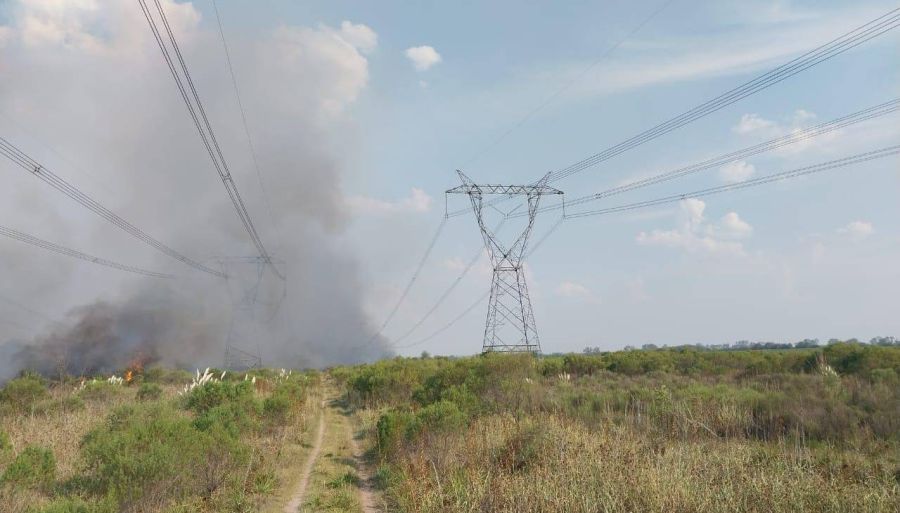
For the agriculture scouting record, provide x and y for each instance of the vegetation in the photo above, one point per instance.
(682, 429)
(151, 445)
(806, 428)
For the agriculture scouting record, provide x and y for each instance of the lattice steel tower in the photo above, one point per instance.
(252, 308)
(510, 323)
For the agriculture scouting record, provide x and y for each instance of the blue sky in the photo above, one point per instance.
(814, 257)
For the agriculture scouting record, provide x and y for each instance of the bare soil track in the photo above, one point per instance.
(293, 506)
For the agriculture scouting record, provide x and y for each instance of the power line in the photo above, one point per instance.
(817, 168)
(773, 144)
(835, 47)
(62, 250)
(237, 95)
(443, 297)
(204, 128)
(567, 85)
(450, 324)
(517, 125)
(814, 57)
(37, 170)
(753, 182)
(409, 285)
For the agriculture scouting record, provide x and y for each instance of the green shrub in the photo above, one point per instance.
(149, 392)
(153, 454)
(34, 467)
(284, 402)
(582, 365)
(276, 408)
(551, 366)
(440, 417)
(232, 419)
(217, 393)
(66, 404)
(391, 430)
(99, 391)
(22, 393)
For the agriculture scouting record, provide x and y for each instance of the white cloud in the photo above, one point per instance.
(752, 123)
(857, 230)
(418, 201)
(755, 127)
(360, 36)
(732, 226)
(738, 46)
(423, 57)
(571, 289)
(736, 171)
(696, 235)
(328, 61)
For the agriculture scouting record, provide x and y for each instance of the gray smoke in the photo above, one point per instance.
(87, 79)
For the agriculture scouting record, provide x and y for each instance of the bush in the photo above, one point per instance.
(98, 391)
(23, 392)
(65, 405)
(441, 417)
(35, 467)
(149, 392)
(391, 429)
(232, 419)
(284, 402)
(582, 365)
(153, 454)
(217, 393)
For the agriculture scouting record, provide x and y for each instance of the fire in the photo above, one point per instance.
(135, 368)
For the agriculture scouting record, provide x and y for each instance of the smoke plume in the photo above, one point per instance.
(85, 92)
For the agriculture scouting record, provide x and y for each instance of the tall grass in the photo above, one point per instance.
(663, 430)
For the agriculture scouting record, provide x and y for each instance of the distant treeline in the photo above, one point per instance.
(745, 345)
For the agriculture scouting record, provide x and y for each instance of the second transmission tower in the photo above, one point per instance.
(510, 325)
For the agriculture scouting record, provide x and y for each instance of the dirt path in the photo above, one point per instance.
(293, 506)
(366, 493)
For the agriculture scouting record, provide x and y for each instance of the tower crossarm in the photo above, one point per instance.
(507, 190)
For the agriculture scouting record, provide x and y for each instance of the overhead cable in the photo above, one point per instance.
(794, 137)
(62, 250)
(814, 57)
(192, 101)
(37, 170)
(409, 284)
(753, 182)
(240, 103)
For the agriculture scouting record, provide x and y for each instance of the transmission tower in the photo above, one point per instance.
(510, 323)
(252, 308)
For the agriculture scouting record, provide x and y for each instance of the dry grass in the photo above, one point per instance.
(553, 464)
(61, 422)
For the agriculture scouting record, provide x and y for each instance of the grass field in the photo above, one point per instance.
(682, 430)
(667, 430)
